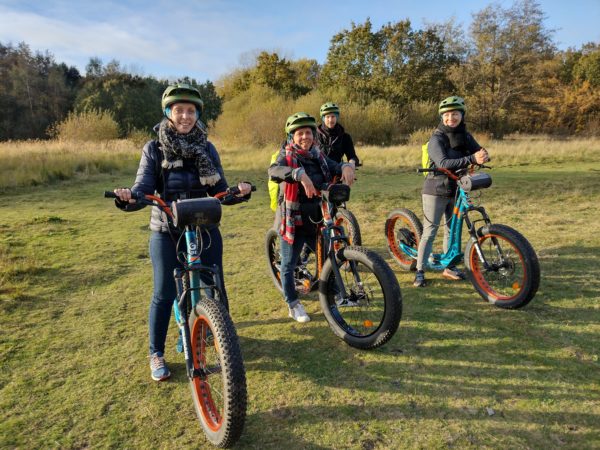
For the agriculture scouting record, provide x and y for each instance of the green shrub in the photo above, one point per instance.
(255, 117)
(421, 115)
(90, 125)
(376, 123)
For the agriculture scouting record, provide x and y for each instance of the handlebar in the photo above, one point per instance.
(232, 193)
(452, 175)
(228, 196)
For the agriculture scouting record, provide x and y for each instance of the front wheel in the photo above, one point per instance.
(219, 391)
(403, 231)
(370, 313)
(512, 277)
(346, 219)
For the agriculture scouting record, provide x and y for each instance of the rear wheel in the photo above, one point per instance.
(219, 393)
(403, 231)
(273, 257)
(305, 274)
(346, 219)
(512, 277)
(370, 314)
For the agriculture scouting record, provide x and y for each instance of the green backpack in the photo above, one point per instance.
(273, 187)
(425, 161)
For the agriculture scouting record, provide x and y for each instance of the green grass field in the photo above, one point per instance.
(75, 283)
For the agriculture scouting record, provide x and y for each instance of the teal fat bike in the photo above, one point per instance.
(499, 261)
(213, 359)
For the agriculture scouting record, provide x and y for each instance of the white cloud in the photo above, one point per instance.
(73, 41)
(163, 44)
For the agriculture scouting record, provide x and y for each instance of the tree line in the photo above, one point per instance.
(36, 93)
(387, 80)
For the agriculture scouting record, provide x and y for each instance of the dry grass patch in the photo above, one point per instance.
(31, 163)
(505, 153)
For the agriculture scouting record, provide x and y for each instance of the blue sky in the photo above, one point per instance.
(206, 39)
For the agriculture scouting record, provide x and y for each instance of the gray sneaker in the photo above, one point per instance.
(345, 302)
(158, 367)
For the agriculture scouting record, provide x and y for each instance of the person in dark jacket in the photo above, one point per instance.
(181, 163)
(451, 147)
(304, 169)
(332, 138)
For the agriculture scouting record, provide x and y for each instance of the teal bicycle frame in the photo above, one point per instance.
(463, 205)
(189, 284)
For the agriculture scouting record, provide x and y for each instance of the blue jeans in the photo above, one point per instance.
(164, 261)
(289, 259)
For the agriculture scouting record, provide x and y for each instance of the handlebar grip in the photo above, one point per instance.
(109, 194)
(423, 170)
(234, 190)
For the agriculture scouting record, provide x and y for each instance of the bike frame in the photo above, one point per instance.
(330, 235)
(190, 295)
(463, 205)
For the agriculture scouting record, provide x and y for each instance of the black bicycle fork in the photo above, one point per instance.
(474, 235)
(334, 256)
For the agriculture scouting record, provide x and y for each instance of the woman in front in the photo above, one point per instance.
(181, 163)
(304, 169)
(451, 147)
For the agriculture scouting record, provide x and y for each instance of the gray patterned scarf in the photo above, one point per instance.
(192, 145)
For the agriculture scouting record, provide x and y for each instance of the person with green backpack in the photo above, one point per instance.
(450, 147)
(331, 138)
(304, 169)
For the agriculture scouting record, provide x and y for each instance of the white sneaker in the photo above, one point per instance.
(298, 313)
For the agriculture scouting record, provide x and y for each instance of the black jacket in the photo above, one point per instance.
(336, 145)
(442, 155)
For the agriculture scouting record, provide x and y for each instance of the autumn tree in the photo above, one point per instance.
(500, 73)
(395, 63)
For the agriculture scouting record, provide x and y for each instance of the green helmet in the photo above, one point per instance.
(181, 92)
(300, 120)
(453, 103)
(329, 108)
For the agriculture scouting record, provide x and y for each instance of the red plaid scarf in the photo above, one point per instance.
(291, 216)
